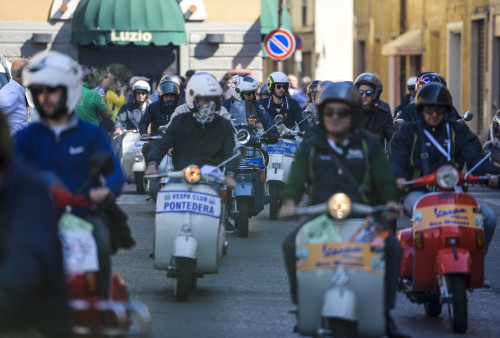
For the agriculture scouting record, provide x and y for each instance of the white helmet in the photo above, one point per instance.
(241, 84)
(276, 77)
(203, 85)
(53, 69)
(411, 83)
(141, 85)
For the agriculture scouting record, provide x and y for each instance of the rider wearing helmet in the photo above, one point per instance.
(33, 291)
(280, 103)
(202, 137)
(410, 97)
(243, 88)
(310, 106)
(185, 108)
(374, 119)
(130, 114)
(63, 145)
(493, 144)
(342, 158)
(420, 147)
(160, 112)
(408, 113)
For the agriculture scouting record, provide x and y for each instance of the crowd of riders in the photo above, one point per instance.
(352, 143)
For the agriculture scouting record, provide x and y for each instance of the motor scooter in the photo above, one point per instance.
(443, 252)
(189, 239)
(92, 316)
(281, 156)
(132, 159)
(340, 269)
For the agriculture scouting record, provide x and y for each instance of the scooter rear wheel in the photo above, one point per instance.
(458, 307)
(339, 328)
(433, 307)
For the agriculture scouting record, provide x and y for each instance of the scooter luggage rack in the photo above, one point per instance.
(124, 313)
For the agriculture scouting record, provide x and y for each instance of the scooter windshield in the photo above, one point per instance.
(239, 113)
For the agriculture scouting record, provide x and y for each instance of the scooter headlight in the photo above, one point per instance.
(192, 174)
(447, 176)
(138, 156)
(339, 205)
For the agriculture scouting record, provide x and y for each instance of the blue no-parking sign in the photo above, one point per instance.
(279, 44)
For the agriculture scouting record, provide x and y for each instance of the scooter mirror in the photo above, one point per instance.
(278, 119)
(243, 136)
(101, 164)
(467, 116)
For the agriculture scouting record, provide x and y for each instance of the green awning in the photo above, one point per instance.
(121, 22)
(269, 19)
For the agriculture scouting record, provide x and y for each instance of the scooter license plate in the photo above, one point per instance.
(188, 201)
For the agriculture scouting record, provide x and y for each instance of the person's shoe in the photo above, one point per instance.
(486, 283)
(230, 229)
(393, 330)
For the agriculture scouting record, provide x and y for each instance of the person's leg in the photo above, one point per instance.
(393, 252)
(102, 238)
(490, 223)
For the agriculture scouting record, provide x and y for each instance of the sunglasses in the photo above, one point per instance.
(433, 111)
(340, 112)
(35, 90)
(368, 92)
(279, 86)
(141, 92)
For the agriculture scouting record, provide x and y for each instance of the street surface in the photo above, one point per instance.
(249, 296)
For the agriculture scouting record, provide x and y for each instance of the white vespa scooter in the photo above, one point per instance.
(340, 270)
(281, 156)
(133, 161)
(190, 226)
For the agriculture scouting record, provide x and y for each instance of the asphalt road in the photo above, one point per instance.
(249, 296)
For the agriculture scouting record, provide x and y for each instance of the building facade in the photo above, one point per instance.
(459, 39)
(204, 35)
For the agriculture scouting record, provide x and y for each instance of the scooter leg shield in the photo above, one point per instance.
(340, 302)
(275, 175)
(185, 246)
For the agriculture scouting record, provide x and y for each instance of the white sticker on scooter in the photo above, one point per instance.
(79, 250)
(188, 201)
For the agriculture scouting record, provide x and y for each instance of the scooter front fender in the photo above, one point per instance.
(185, 245)
(243, 189)
(139, 166)
(448, 262)
(340, 302)
(275, 175)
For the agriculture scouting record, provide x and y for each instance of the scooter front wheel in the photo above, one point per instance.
(184, 283)
(458, 307)
(244, 204)
(274, 200)
(140, 182)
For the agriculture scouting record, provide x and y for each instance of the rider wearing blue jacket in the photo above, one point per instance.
(62, 144)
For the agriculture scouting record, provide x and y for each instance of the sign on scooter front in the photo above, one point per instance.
(188, 201)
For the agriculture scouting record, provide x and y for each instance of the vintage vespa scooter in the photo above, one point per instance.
(443, 252)
(132, 159)
(340, 270)
(189, 239)
(93, 317)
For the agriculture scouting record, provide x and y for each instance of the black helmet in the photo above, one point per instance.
(339, 92)
(173, 78)
(435, 94)
(426, 77)
(168, 87)
(373, 81)
(313, 86)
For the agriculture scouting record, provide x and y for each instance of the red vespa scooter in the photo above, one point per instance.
(443, 252)
(92, 316)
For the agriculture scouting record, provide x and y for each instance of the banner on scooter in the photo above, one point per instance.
(188, 201)
(287, 148)
(447, 215)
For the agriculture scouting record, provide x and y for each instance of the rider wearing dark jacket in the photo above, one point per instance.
(342, 158)
(129, 116)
